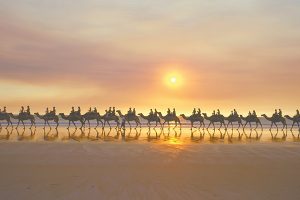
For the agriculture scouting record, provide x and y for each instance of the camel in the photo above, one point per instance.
(72, 118)
(193, 119)
(92, 116)
(213, 119)
(5, 116)
(233, 118)
(249, 119)
(47, 118)
(274, 119)
(295, 119)
(151, 118)
(169, 118)
(110, 117)
(130, 118)
(23, 117)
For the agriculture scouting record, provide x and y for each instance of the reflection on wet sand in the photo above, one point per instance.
(185, 135)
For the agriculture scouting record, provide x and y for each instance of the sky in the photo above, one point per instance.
(123, 53)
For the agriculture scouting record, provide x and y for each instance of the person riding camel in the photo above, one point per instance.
(106, 113)
(72, 111)
(95, 110)
(151, 113)
(79, 110)
(90, 109)
(280, 113)
(53, 112)
(47, 111)
(4, 109)
(199, 112)
(275, 113)
(28, 110)
(297, 113)
(194, 112)
(218, 112)
(129, 111)
(174, 112)
(155, 112)
(109, 110)
(231, 113)
(213, 113)
(254, 113)
(249, 113)
(168, 111)
(22, 110)
(114, 111)
(235, 113)
(133, 112)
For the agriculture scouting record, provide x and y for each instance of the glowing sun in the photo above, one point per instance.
(173, 79)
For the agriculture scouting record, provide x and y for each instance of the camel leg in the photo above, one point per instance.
(23, 124)
(89, 124)
(208, 125)
(69, 124)
(48, 124)
(56, 124)
(109, 124)
(271, 126)
(74, 124)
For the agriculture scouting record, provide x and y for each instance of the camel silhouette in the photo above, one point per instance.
(274, 119)
(110, 117)
(169, 118)
(193, 119)
(129, 118)
(72, 118)
(213, 119)
(47, 118)
(295, 119)
(249, 119)
(151, 118)
(23, 117)
(233, 118)
(92, 116)
(6, 117)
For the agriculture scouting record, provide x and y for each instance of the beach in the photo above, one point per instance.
(149, 170)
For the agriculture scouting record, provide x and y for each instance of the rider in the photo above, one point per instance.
(95, 110)
(129, 111)
(280, 113)
(4, 109)
(79, 110)
(297, 113)
(47, 110)
(155, 112)
(249, 113)
(133, 112)
(109, 110)
(213, 113)
(114, 111)
(28, 110)
(218, 112)
(275, 114)
(231, 113)
(53, 110)
(199, 112)
(22, 109)
(72, 111)
(254, 113)
(151, 113)
(90, 109)
(235, 112)
(168, 111)
(194, 111)
(174, 112)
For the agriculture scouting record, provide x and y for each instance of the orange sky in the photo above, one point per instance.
(226, 55)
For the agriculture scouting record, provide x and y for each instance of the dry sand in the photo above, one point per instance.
(52, 170)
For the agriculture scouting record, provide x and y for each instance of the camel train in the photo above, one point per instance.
(119, 119)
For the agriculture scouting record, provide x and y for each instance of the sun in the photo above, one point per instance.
(173, 79)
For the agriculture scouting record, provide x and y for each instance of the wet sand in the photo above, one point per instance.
(132, 170)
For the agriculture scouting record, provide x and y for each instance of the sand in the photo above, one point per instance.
(53, 170)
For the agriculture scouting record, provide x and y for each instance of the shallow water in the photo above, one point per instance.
(170, 136)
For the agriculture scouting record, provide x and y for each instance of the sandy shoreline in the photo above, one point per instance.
(149, 171)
